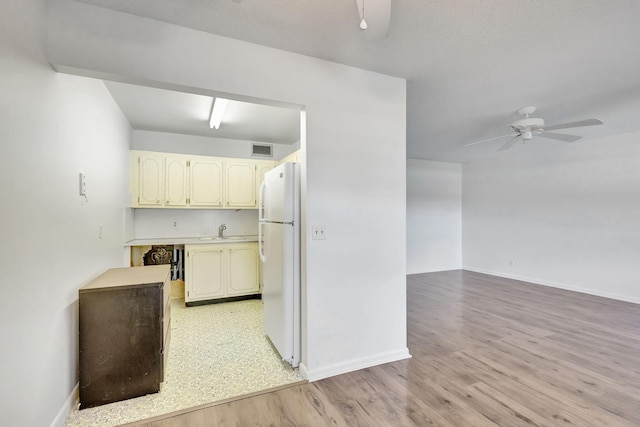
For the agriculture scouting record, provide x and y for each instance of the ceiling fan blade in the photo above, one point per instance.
(588, 122)
(559, 136)
(509, 143)
(490, 139)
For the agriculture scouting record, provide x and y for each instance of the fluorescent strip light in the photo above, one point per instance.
(217, 112)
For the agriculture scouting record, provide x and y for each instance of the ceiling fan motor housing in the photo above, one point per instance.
(530, 123)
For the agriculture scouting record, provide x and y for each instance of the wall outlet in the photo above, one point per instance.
(174, 223)
(512, 263)
(319, 232)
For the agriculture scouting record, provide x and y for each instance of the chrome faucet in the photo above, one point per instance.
(221, 230)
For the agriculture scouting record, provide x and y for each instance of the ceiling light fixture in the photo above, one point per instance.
(217, 112)
(363, 23)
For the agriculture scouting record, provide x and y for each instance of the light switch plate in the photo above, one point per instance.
(319, 232)
(83, 184)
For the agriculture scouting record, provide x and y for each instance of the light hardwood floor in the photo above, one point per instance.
(486, 351)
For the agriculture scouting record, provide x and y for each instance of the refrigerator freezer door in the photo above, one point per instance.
(278, 293)
(277, 194)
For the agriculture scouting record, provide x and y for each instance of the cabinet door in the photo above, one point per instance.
(150, 179)
(206, 182)
(204, 277)
(293, 157)
(243, 269)
(261, 169)
(175, 181)
(240, 184)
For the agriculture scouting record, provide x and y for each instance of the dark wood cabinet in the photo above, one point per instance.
(124, 318)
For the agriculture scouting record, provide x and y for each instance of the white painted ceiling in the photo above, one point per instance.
(186, 113)
(469, 64)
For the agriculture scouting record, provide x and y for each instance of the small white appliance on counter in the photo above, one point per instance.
(279, 246)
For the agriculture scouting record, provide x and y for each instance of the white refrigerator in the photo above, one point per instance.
(279, 246)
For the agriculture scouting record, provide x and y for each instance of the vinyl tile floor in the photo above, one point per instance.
(216, 352)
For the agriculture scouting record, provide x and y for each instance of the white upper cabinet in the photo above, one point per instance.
(206, 182)
(240, 183)
(262, 167)
(176, 181)
(167, 180)
(293, 157)
(149, 171)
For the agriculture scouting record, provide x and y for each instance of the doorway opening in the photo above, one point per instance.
(217, 351)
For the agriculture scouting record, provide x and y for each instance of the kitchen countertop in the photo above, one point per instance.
(203, 240)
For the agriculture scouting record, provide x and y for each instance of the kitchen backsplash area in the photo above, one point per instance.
(154, 223)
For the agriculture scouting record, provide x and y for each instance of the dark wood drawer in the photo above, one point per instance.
(123, 320)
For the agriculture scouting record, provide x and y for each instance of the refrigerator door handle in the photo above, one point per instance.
(261, 201)
(260, 249)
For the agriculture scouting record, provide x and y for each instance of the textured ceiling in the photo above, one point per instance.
(469, 65)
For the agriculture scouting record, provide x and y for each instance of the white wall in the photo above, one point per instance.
(354, 169)
(52, 127)
(151, 223)
(434, 216)
(201, 145)
(568, 216)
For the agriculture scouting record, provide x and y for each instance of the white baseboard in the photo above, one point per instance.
(64, 412)
(451, 268)
(302, 370)
(551, 284)
(356, 364)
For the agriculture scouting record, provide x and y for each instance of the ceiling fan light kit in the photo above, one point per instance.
(527, 127)
(363, 23)
(374, 19)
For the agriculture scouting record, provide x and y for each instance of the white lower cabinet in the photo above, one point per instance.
(221, 271)
(244, 274)
(204, 272)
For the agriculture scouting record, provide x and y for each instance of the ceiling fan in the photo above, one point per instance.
(527, 127)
